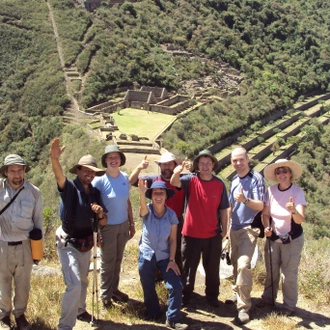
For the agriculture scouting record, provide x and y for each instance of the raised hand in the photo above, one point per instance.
(188, 165)
(144, 164)
(55, 149)
(239, 196)
(180, 167)
(143, 186)
(290, 206)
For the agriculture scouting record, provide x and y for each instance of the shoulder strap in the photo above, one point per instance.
(11, 201)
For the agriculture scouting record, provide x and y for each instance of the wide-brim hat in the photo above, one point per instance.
(269, 171)
(113, 148)
(168, 157)
(13, 159)
(90, 162)
(205, 153)
(161, 185)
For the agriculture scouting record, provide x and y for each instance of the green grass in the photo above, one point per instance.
(141, 122)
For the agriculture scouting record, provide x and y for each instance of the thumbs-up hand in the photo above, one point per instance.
(144, 164)
(239, 196)
(188, 165)
(178, 169)
(290, 206)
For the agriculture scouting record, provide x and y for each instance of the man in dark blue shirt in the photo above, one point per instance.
(81, 203)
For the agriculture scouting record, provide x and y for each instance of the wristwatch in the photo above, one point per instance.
(246, 201)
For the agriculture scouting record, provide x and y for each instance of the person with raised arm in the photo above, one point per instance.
(246, 201)
(166, 163)
(157, 250)
(80, 206)
(282, 217)
(205, 224)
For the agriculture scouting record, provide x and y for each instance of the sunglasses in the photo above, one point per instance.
(279, 171)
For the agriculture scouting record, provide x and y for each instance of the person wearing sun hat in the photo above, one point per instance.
(114, 186)
(205, 223)
(21, 212)
(166, 163)
(283, 214)
(80, 204)
(157, 250)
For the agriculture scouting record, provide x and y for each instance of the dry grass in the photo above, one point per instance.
(44, 307)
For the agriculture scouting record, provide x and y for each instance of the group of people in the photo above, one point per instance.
(187, 218)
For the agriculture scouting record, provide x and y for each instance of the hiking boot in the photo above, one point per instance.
(243, 317)
(232, 300)
(120, 296)
(5, 323)
(22, 323)
(213, 301)
(284, 311)
(85, 317)
(185, 299)
(107, 304)
(175, 325)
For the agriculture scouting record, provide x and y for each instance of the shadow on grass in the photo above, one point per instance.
(308, 319)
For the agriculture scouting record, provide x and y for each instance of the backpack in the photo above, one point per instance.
(257, 223)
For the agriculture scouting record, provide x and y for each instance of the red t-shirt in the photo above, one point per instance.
(176, 203)
(205, 199)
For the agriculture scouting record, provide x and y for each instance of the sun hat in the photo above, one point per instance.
(168, 157)
(13, 159)
(113, 148)
(161, 185)
(269, 171)
(205, 153)
(90, 162)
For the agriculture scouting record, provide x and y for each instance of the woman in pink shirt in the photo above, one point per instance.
(282, 216)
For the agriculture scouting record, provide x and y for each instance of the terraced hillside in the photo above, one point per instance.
(278, 138)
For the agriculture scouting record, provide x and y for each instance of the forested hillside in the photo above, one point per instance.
(280, 47)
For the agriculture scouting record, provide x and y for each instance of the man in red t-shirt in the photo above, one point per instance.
(205, 224)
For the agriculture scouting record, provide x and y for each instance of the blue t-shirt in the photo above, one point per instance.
(156, 232)
(115, 194)
(253, 185)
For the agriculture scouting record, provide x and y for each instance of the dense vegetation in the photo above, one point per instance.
(281, 48)
(32, 92)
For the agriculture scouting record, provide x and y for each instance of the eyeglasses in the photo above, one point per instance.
(279, 171)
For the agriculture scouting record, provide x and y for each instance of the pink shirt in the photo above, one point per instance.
(276, 200)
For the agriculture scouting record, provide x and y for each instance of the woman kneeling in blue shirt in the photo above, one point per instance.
(157, 250)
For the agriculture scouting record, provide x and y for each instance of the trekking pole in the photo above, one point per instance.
(271, 269)
(95, 284)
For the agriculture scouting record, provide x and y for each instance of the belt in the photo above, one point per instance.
(14, 243)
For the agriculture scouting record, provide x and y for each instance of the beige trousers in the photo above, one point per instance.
(243, 243)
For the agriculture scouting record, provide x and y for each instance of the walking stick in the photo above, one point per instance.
(271, 270)
(95, 284)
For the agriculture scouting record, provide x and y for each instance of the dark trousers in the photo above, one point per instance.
(210, 249)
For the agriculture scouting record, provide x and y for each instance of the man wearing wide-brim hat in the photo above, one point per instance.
(114, 186)
(204, 225)
(21, 212)
(167, 164)
(81, 205)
